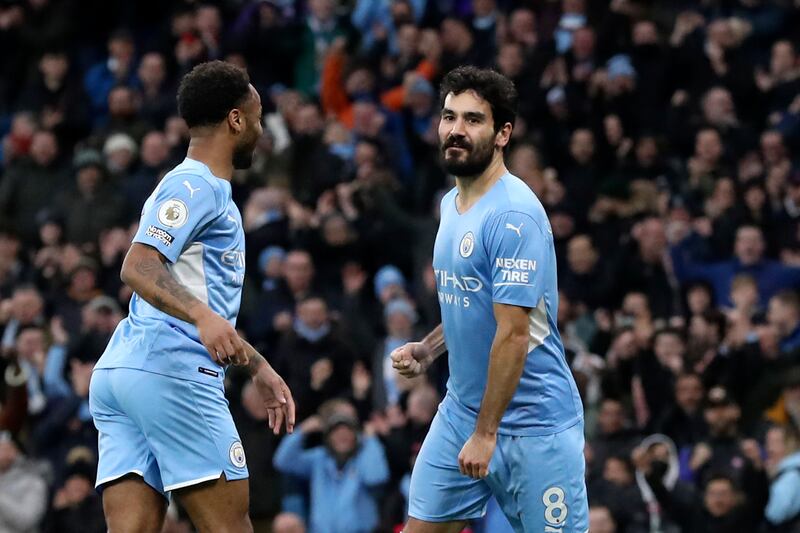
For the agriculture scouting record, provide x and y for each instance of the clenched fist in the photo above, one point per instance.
(411, 359)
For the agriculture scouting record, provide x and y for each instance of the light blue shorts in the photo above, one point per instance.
(173, 433)
(537, 481)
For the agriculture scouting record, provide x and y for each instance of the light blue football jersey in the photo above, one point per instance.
(192, 220)
(501, 251)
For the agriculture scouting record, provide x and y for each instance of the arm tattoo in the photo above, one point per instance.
(147, 266)
(256, 360)
(158, 286)
(168, 283)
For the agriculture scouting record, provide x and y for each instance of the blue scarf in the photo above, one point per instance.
(308, 333)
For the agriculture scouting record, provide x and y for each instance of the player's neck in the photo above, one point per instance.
(470, 190)
(212, 153)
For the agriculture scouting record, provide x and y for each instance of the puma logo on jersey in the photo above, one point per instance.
(517, 229)
(191, 190)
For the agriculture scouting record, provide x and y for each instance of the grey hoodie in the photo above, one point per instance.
(23, 498)
(669, 480)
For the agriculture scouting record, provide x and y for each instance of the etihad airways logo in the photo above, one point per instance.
(453, 285)
(447, 279)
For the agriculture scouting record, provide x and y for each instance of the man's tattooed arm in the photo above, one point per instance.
(256, 359)
(144, 269)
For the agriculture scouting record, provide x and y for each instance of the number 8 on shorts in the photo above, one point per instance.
(555, 510)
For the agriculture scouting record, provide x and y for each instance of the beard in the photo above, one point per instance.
(243, 155)
(471, 164)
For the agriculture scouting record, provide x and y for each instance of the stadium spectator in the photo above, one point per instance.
(31, 355)
(158, 101)
(771, 276)
(782, 510)
(288, 523)
(344, 473)
(641, 267)
(67, 424)
(601, 520)
(403, 432)
(668, 501)
(118, 69)
(137, 186)
(614, 435)
(400, 318)
(724, 451)
(317, 33)
(656, 372)
(76, 506)
(251, 419)
(24, 308)
(29, 185)
(273, 314)
(784, 315)
(23, 497)
(55, 93)
(315, 355)
(618, 492)
(724, 508)
(81, 287)
(683, 421)
(586, 278)
(123, 115)
(92, 204)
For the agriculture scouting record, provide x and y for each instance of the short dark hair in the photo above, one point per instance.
(689, 375)
(121, 34)
(310, 297)
(496, 89)
(27, 327)
(719, 475)
(750, 226)
(208, 93)
(26, 287)
(669, 331)
(715, 318)
(622, 458)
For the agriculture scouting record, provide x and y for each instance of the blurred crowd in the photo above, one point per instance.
(660, 136)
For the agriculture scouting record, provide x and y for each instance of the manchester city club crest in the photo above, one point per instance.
(467, 244)
(236, 453)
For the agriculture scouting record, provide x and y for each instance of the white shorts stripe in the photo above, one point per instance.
(112, 478)
(191, 482)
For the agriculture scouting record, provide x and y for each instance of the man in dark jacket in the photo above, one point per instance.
(683, 422)
(91, 205)
(29, 185)
(315, 360)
